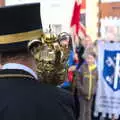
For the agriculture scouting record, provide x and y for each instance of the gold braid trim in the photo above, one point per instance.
(16, 76)
(20, 37)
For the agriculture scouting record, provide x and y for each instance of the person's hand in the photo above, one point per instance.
(72, 68)
(75, 56)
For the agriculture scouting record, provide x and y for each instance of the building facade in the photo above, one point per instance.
(92, 18)
(59, 12)
(110, 19)
(99, 14)
(54, 12)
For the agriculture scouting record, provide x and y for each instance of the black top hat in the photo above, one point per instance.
(18, 25)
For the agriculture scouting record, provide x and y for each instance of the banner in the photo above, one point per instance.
(108, 89)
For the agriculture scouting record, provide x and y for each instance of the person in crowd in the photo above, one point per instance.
(71, 63)
(87, 42)
(86, 78)
(22, 97)
(65, 41)
(74, 62)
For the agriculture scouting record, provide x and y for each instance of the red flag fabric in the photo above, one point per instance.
(70, 76)
(75, 21)
(76, 17)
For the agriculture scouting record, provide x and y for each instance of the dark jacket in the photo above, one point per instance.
(23, 98)
(84, 85)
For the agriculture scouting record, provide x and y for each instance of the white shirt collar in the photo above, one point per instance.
(20, 67)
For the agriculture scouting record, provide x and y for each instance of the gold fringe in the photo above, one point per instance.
(15, 76)
(20, 37)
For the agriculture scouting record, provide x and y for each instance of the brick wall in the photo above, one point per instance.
(110, 9)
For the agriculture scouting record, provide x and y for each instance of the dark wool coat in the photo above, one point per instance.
(23, 98)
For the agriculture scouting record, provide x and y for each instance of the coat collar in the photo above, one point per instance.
(15, 73)
(19, 67)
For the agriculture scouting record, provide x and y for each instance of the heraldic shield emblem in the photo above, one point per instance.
(111, 69)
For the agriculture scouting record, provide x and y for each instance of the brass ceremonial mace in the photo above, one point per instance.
(50, 31)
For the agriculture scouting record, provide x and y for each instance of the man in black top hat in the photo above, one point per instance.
(22, 97)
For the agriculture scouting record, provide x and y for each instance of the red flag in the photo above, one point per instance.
(76, 16)
(75, 21)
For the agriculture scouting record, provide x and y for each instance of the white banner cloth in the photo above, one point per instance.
(108, 89)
